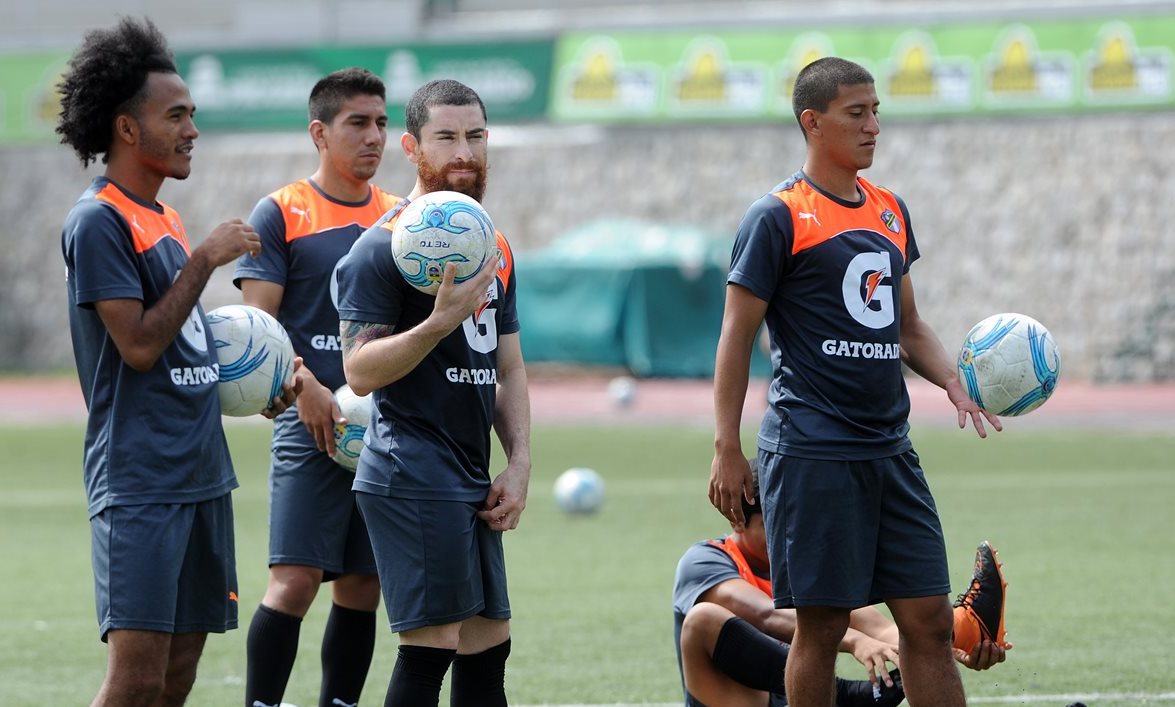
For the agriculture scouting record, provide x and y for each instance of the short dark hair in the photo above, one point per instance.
(331, 91)
(749, 509)
(441, 92)
(818, 83)
(106, 78)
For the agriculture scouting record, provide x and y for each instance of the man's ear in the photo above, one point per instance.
(810, 120)
(410, 146)
(126, 129)
(317, 130)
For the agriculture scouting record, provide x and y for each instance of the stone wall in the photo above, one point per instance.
(1069, 220)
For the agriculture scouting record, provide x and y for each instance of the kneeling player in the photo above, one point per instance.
(733, 643)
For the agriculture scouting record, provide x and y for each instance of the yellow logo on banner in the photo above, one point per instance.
(597, 81)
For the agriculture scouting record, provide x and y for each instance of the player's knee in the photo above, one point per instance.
(932, 627)
(702, 624)
(360, 592)
(292, 589)
(136, 689)
(179, 684)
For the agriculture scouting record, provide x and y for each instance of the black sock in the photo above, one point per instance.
(347, 645)
(270, 650)
(417, 678)
(479, 679)
(859, 693)
(750, 656)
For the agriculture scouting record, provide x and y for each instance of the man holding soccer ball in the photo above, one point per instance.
(824, 259)
(444, 369)
(157, 469)
(316, 532)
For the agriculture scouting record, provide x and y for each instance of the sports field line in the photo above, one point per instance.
(1147, 697)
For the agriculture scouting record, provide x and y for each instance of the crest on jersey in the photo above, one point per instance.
(890, 219)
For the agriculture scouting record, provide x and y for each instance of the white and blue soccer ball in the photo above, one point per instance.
(255, 358)
(622, 391)
(358, 410)
(579, 490)
(1009, 364)
(438, 228)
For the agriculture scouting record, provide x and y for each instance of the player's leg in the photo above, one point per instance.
(928, 664)
(428, 556)
(183, 657)
(912, 576)
(272, 642)
(808, 506)
(812, 664)
(712, 635)
(479, 670)
(136, 668)
(207, 598)
(309, 505)
(146, 562)
(348, 642)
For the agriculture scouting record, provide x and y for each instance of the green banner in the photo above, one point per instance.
(268, 90)
(29, 102)
(1045, 66)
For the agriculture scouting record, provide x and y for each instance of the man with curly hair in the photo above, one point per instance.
(156, 466)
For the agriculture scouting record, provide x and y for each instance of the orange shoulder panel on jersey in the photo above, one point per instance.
(506, 263)
(148, 226)
(744, 568)
(384, 200)
(307, 212)
(817, 218)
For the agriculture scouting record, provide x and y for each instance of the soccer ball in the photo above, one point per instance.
(1009, 364)
(255, 357)
(579, 490)
(349, 435)
(622, 390)
(438, 228)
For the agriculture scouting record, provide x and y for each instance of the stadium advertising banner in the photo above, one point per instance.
(268, 90)
(1045, 66)
(29, 102)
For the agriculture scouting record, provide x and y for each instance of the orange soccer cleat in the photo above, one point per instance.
(979, 611)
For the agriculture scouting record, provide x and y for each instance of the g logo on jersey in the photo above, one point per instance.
(866, 299)
(334, 284)
(193, 329)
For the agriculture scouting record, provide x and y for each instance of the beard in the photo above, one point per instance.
(438, 179)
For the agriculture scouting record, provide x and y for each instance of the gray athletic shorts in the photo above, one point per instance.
(850, 533)
(438, 562)
(313, 519)
(165, 567)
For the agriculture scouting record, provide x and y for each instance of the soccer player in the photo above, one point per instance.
(824, 259)
(423, 484)
(732, 643)
(157, 469)
(316, 533)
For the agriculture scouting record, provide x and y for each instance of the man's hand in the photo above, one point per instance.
(874, 654)
(507, 499)
(984, 655)
(229, 241)
(730, 482)
(280, 403)
(318, 410)
(967, 408)
(457, 302)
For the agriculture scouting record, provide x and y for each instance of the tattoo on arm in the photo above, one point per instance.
(356, 334)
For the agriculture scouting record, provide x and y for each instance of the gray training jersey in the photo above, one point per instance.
(152, 436)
